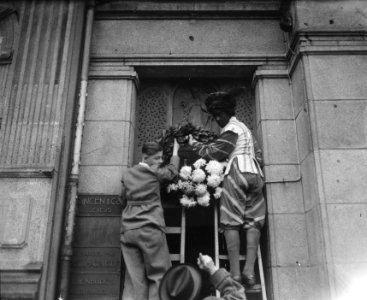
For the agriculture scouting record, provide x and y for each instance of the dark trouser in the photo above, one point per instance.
(147, 258)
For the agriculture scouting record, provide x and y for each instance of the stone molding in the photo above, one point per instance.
(42, 172)
(196, 9)
(189, 60)
(112, 70)
(269, 72)
(21, 284)
(345, 42)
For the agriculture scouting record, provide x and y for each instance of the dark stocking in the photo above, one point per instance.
(252, 239)
(233, 248)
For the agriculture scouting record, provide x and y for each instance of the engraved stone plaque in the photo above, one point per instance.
(96, 261)
(99, 205)
(97, 232)
(94, 286)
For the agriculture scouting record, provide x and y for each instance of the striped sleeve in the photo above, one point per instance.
(220, 149)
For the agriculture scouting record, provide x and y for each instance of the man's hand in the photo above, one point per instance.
(205, 262)
(192, 140)
(176, 146)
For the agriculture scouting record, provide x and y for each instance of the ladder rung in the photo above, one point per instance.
(253, 291)
(173, 230)
(225, 257)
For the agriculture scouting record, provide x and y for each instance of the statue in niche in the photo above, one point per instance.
(188, 106)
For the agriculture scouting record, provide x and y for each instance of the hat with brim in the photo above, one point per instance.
(181, 282)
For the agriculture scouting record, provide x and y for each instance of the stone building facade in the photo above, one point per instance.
(84, 83)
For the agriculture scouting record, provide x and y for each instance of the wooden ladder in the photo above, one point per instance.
(219, 257)
(178, 230)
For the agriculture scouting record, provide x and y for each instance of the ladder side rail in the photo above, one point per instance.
(261, 272)
(183, 235)
(216, 242)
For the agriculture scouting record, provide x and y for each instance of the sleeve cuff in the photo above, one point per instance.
(175, 160)
(219, 276)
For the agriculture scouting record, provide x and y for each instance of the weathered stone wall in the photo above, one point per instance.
(288, 272)
(39, 88)
(337, 100)
(327, 69)
(108, 137)
(228, 37)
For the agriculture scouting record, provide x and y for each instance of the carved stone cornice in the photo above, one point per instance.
(41, 172)
(192, 60)
(107, 9)
(341, 42)
(112, 70)
(21, 284)
(270, 72)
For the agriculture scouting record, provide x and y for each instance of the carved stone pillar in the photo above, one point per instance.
(38, 88)
(106, 151)
(287, 234)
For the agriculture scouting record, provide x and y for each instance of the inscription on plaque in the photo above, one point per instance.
(96, 262)
(89, 205)
(94, 286)
(97, 231)
(97, 259)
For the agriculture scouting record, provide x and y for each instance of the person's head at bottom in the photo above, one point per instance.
(184, 282)
(181, 282)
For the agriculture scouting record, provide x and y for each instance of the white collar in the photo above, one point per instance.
(144, 164)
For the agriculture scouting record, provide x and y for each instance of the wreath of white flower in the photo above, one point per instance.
(214, 168)
(199, 183)
(198, 175)
(185, 172)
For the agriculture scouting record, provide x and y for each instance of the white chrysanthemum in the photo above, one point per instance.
(214, 180)
(187, 202)
(218, 192)
(172, 187)
(199, 163)
(181, 184)
(204, 200)
(198, 176)
(185, 186)
(200, 189)
(214, 167)
(185, 172)
(189, 188)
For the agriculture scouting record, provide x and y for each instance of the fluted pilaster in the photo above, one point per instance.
(34, 98)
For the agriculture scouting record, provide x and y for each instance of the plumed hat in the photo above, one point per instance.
(181, 282)
(222, 101)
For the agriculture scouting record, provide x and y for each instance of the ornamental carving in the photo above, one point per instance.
(152, 105)
(189, 105)
(245, 109)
